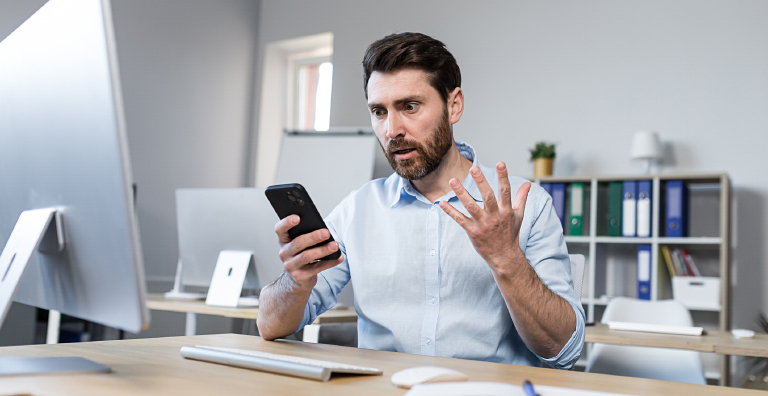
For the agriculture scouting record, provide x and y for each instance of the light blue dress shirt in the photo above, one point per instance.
(420, 286)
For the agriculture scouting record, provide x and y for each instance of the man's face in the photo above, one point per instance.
(411, 121)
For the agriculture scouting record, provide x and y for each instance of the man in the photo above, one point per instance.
(481, 277)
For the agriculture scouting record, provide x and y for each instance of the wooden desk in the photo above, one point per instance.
(159, 303)
(154, 367)
(720, 342)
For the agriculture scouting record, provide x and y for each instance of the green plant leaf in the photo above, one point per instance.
(542, 150)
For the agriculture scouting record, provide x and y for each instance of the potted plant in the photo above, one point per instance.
(542, 156)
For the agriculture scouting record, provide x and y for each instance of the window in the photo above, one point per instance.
(312, 94)
(295, 94)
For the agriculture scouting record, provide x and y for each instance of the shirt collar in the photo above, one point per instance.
(406, 192)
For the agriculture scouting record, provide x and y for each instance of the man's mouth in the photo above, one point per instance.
(404, 153)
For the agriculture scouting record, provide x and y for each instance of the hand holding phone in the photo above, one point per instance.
(306, 243)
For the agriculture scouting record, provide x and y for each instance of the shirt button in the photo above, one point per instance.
(433, 300)
(432, 252)
(428, 341)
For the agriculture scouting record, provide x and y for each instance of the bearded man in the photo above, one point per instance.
(444, 261)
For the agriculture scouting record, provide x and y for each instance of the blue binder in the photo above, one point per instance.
(676, 217)
(547, 187)
(644, 208)
(629, 209)
(644, 272)
(558, 200)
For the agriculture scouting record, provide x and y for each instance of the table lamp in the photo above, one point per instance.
(646, 147)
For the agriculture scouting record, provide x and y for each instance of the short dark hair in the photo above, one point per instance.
(413, 50)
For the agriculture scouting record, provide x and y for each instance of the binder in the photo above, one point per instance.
(644, 272)
(676, 217)
(614, 208)
(665, 257)
(558, 200)
(629, 209)
(576, 219)
(547, 187)
(644, 208)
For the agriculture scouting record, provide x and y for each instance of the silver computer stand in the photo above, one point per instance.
(39, 230)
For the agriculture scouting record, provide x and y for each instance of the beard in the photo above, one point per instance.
(429, 156)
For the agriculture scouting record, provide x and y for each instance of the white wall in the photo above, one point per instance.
(187, 76)
(186, 69)
(586, 75)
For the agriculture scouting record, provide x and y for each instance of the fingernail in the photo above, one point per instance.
(323, 233)
(294, 219)
(454, 182)
(502, 166)
(476, 171)
(333, 246)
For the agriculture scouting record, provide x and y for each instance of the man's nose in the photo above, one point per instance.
(394, 125)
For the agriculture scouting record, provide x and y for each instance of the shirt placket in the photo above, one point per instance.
(432, 281)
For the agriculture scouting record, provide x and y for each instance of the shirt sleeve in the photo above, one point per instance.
(331, 281)
(547, 253)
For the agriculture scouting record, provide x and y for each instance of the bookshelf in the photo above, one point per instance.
(611, 268)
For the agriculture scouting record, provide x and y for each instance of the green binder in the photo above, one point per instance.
(615, 191)
(576, 201)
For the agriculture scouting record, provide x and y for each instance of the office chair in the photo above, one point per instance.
(653, 363)
(577, 271)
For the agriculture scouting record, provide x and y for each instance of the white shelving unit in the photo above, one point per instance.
(713, 184)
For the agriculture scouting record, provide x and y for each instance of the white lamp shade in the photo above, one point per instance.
(646, 144)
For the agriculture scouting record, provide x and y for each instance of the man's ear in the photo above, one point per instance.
(455, 105)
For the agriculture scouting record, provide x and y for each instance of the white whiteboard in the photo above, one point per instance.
(329, 165)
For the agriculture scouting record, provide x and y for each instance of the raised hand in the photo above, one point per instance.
(493, 230)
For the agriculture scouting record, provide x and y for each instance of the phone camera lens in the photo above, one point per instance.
(300, 201)
(291, 198)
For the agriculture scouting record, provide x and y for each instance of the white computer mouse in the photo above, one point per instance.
(425, 374)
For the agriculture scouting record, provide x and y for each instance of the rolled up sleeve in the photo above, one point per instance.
(547, 253)
(329, 282)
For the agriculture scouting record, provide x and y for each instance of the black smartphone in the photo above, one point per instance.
(293, 199)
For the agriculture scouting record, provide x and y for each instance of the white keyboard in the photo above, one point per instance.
(283, 364)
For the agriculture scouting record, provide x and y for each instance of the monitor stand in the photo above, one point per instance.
(178, 293)
(38, 230)
(233, 269)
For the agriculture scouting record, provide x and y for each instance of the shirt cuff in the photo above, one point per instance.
(572, 349)
(306, 320)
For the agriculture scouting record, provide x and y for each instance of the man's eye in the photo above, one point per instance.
(410, 107)
(377, 112)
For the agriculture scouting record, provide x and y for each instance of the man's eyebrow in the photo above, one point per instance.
(407, 99)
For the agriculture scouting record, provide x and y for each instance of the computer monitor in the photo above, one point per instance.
(65, 170)
(212, 220)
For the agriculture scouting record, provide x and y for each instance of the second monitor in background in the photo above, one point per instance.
(213, 220)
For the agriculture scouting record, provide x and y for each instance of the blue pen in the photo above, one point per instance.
(528, 388)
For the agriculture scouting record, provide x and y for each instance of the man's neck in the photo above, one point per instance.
(435, 184)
